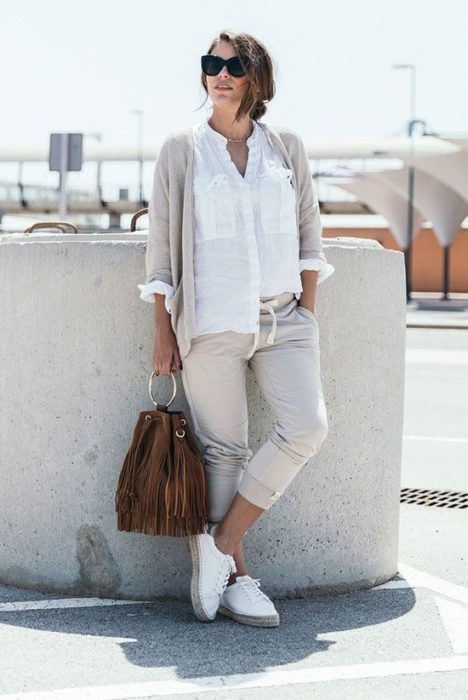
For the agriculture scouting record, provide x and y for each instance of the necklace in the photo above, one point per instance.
(242, 139)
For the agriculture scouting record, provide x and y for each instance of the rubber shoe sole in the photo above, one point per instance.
(197, 604)
(255, 620)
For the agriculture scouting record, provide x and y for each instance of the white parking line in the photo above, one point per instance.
(65, 603)
(268, 678)
(428, 356)
(419, 579)
(455, 619)
(428, 438)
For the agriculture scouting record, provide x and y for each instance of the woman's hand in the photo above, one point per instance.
(166, 357)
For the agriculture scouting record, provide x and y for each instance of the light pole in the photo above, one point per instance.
(139, 113)
(98, 136)
(412, 120)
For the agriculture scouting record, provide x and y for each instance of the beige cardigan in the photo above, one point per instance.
(169, 249)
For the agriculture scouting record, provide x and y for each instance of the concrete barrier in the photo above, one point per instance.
(75, 357)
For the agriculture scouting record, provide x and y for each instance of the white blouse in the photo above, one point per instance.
(245, 241)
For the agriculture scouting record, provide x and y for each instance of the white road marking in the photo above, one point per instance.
(65, 603)
(419, 579)
(428, 438)
(455, 619)
(268, 678)
(422, 356)
(393, 583)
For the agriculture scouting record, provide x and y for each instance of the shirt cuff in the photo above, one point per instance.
(147, 292)
(317, 263)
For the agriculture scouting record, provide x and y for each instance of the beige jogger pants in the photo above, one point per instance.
(284, 355)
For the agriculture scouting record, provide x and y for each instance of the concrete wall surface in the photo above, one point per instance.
(75, 358)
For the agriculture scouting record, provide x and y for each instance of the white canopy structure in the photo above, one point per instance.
(391, 204)
(436, 201)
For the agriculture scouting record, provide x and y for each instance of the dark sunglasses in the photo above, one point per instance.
(211, 65)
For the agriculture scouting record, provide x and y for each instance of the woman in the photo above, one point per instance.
(233, 258)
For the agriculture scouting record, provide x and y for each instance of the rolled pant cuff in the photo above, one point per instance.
(255, 492)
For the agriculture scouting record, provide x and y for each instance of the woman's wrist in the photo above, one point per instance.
(310, 307)
(162, 317)
(309, 287)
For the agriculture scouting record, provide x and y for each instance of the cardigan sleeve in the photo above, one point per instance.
(157, 258)
(311, 255)
(310, 225)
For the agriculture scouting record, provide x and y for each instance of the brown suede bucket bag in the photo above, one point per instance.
(161, 488)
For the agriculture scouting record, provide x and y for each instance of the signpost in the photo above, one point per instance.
(65, 155)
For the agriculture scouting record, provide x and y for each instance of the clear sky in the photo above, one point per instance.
(81, 65)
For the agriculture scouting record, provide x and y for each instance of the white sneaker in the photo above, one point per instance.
(210, 574)
(246, 603)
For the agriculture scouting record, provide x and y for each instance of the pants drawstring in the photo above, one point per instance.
(268, 305)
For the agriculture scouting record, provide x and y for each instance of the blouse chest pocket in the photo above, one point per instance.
(278, 202)
(214, 207)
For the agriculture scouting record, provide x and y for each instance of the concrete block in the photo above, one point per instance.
(75, 357)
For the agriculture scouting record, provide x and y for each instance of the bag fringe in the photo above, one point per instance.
(161, 488)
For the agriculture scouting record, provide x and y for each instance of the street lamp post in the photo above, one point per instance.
(139, 113)
(411, 123)
(98, 136)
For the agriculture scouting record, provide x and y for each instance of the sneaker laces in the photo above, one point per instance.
(252, 588)
(223, 575)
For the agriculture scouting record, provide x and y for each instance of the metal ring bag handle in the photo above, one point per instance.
(52, 224)
(174, 387)
(140, 212)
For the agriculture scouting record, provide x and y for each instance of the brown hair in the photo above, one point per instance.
(258, 66)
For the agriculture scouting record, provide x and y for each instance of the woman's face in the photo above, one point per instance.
(239, 86)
